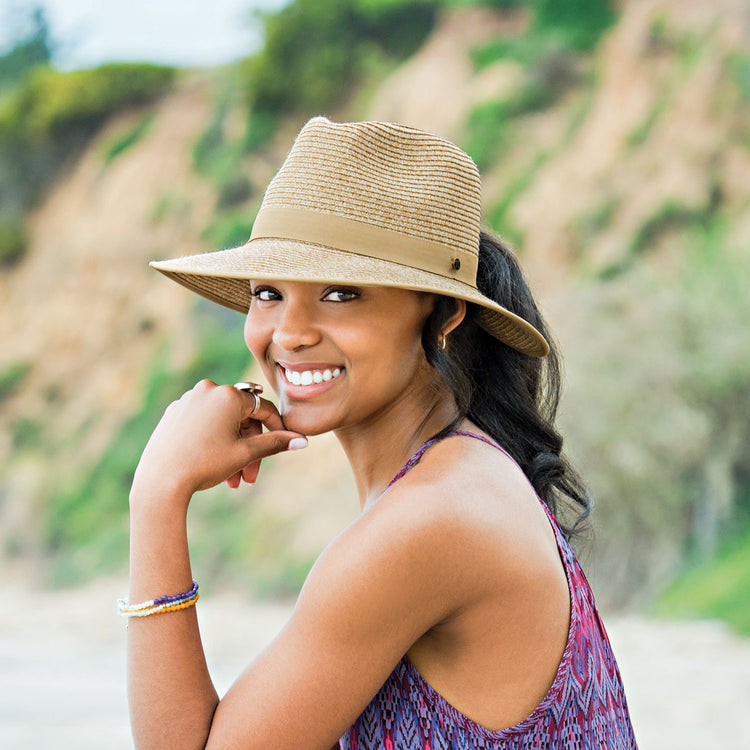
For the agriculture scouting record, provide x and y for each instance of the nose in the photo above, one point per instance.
(295, 327)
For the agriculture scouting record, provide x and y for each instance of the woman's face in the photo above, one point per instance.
(338, 355)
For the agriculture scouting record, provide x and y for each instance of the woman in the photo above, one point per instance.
(452, 613)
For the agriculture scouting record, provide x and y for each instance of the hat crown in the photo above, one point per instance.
(386, 175)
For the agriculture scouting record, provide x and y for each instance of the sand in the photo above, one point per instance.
(62, 670)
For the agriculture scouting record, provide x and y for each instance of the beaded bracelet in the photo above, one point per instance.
(157, 606)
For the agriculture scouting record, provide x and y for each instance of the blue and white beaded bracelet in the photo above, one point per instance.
(159, 605)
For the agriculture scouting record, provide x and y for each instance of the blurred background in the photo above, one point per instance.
(614, 143)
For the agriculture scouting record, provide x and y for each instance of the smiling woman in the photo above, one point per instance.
(452, 612)
(366, 340)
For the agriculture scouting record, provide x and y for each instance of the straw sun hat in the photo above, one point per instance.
(366, 203)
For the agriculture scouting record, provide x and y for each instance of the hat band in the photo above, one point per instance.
(353, 236)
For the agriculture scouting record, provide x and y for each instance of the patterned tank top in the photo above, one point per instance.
(584, 708)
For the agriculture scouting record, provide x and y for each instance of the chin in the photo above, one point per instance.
(307, 424)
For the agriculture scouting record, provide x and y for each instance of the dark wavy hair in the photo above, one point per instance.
(511, 396)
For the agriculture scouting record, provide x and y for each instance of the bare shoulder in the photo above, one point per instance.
(481, 509)
(397, 550)
(464, 481)
(461, 522)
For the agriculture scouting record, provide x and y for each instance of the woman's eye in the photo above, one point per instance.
(265, 295)
(341, 295)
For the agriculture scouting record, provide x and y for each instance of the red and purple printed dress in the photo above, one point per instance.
(584, 708)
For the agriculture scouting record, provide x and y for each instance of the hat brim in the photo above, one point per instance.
(222, 277)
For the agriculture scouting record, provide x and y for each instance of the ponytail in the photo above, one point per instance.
(511, 396)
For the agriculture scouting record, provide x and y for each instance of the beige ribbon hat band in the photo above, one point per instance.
(349, 235)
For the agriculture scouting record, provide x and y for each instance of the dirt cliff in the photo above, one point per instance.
(654, 117)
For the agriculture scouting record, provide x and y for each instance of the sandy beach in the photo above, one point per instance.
(62, 670)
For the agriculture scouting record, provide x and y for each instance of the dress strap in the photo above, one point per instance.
(414, 460)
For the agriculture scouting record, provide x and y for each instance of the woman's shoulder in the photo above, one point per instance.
(464, 504)
(421, 528)
(463, 478)
(477, 509)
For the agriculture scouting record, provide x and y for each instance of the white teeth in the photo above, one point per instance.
(309, 377)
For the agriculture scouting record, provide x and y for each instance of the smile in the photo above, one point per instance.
(310, 377)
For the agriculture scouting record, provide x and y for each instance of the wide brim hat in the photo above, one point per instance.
(365, 203)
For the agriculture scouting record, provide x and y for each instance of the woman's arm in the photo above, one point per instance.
(382, 583)
(170, 691)
(202, 439)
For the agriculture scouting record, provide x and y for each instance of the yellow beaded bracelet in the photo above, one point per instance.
(162, 604)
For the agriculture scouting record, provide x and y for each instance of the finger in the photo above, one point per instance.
(266, 413)
(273, 420)
(250, 472)
(233, 482)
(250, 428)
(269, 443)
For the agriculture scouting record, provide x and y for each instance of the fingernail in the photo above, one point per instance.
(296, 444)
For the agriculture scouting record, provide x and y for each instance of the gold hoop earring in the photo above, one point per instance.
(442, 343)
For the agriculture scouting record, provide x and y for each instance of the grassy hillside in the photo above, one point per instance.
(613, 145)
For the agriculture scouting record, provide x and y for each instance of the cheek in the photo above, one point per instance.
(256, 339)
(396, 355)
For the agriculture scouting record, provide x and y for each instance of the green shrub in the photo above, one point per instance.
(214, 156)
(498, 214)
(32, 49)
(12, 377)
(122, 142)
(738, 68)
(51, 103)
(260, 128)
(593, 222)
(499, 4)
(313, 49)
(672, 216)
(237, 189)
(502, 4)
(230, 229)
(210, 141)
(580, 23)
(488, 124)
(573, 25)
(51, 115)
(504, 48)
(12, 240)
(486, 132)
(658, 410)
(25, 433)
(171, 203)
(282, 578)
(640, 133)
(717, 589)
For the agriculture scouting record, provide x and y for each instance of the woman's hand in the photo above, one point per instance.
(207, 437)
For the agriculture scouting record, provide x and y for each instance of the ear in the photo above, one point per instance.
(455, 319)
